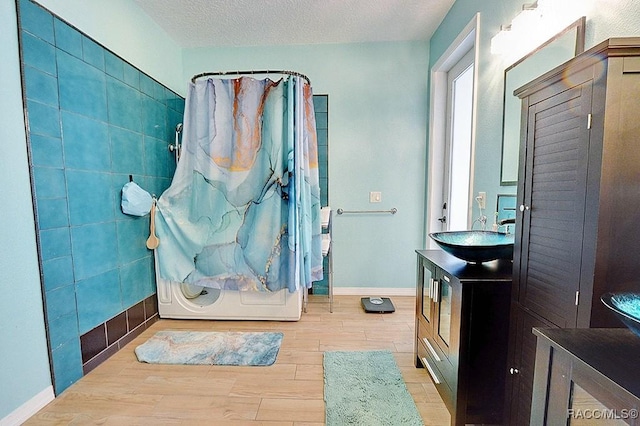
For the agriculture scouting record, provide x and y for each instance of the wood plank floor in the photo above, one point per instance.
(123, 391)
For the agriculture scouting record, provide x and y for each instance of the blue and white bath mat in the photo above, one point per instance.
(210, 348)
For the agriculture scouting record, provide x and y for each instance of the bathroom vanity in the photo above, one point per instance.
(586, 375)
(462, 321)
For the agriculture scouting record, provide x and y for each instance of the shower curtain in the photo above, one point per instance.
(243, 208)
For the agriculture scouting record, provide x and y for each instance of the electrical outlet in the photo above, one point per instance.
(375, 197)
(482, 200)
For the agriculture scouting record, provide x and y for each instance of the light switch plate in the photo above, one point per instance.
(375, 197)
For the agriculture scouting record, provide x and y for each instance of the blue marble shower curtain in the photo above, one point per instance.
(243, 209)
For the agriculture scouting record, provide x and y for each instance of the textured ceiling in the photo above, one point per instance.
(199, 23)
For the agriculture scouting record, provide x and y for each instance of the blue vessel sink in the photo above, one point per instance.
(475, 246)
(626, 306)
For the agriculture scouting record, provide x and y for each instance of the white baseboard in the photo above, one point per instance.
(374, 291)
(29, 408)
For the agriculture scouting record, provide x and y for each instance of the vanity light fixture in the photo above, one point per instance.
(535, 23)
(519, 32)
(501, 41)
(528, 19)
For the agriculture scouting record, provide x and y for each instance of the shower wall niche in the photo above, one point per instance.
(94, 120)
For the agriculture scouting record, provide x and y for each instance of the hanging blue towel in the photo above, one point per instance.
(135, 200)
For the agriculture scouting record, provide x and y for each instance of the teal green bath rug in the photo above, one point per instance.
(210, 348)
(366, 388)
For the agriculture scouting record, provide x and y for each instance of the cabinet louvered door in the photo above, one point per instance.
(521, 367)
(554, 203)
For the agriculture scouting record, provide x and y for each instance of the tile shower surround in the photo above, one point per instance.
(93, 120)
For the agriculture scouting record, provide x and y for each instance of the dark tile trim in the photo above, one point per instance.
(93, 342)
(135, 315)
(98, 359)
(109, 337)
(116, 328)
(150, 306)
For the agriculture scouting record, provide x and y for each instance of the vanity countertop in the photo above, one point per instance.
(613, 352)
(496, 270)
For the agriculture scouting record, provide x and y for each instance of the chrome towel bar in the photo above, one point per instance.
(342, 211)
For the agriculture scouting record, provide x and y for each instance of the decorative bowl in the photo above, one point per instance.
(626, 306)
(475, 246)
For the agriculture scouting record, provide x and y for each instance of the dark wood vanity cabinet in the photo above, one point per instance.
(579, 202)
(462, 317)
(586, 376)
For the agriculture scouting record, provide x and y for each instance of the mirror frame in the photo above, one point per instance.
(579, 27)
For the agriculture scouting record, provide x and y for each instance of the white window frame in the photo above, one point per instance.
(466, 40)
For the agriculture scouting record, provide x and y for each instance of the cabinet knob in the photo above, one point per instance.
(514, 371)
(523, 207)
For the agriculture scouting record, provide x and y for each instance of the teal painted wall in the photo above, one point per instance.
(378, 113)
(24, 364)
(605, 19)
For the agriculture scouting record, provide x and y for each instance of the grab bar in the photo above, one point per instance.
(342, 211)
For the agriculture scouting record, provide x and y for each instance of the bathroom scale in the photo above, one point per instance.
(379, 305)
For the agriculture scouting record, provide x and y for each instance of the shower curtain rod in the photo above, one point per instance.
(204, 74)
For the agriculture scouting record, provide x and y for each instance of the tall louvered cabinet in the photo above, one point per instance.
(578, 225)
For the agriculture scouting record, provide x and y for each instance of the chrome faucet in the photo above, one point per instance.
(506, 222)
(482, 220)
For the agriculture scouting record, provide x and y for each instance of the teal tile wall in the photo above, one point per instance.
(94, 119)
(321, 108)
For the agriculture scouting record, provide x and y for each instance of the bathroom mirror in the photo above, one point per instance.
(555, 51)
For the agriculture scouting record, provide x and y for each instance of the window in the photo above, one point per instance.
(450, 168)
